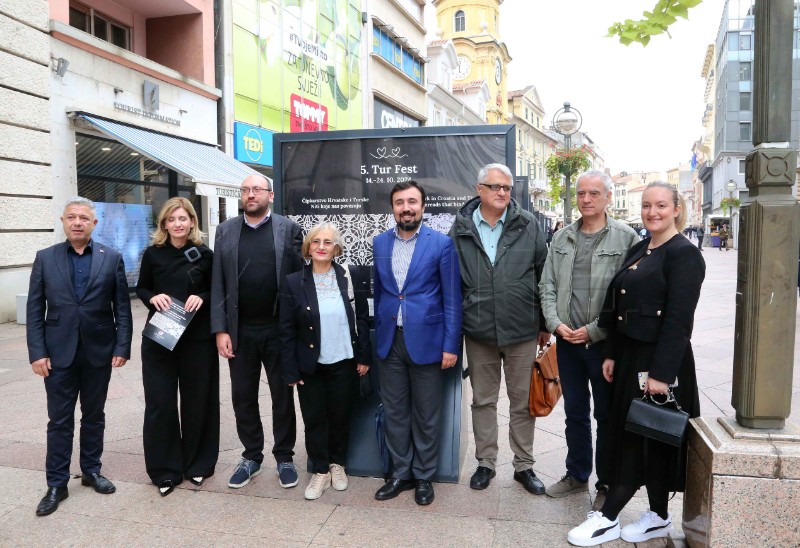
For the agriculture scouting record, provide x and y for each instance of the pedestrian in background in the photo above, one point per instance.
(417, 288)
(580, 264)
(79, 327)
(325, 348)
(179, 442)
(700, 234)
(649, 313)
(501, 253)
(723, 238)
(254, 254)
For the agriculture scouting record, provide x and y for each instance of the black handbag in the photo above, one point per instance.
(658, 421)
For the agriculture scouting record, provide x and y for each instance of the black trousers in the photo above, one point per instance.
(260, 344)
(326, 400)
(63, 386)
(180, 442)
(412, 403)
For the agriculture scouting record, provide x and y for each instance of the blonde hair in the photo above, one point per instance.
(336, 236)
(160, 235)
(677, 201)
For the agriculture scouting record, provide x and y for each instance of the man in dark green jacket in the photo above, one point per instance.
(501, 251)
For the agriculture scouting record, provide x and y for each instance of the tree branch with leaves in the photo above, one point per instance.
(655, 22)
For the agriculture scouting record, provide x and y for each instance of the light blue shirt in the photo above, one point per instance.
(334, 336)
(402, 252)
(490, 236)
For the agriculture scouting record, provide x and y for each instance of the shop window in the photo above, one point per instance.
(460, 22)
(128, 190)
(98, 25)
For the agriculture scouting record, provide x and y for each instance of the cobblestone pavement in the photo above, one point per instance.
(262, 512)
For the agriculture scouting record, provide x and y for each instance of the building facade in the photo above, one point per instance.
(474, 28)
(448, 107)
(396, 75)
(534, 144)
(128, 118)
(733, 109)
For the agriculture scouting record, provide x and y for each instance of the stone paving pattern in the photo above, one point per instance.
(264, 513)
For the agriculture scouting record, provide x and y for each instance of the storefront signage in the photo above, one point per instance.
(386, 116)
(297, 64)
(253, 145)
(147, 114)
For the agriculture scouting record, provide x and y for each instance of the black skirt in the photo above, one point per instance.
(634, 458)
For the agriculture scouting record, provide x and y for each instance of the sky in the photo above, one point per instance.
(642, 106)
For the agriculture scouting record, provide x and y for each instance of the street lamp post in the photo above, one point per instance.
(566, 122)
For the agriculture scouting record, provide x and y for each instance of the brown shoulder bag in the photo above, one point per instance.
(545, 383)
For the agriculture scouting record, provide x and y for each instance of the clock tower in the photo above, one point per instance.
(474, 28)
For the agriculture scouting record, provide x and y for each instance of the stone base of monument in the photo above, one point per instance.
(742, 485)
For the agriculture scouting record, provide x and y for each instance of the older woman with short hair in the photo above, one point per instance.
(325, 347)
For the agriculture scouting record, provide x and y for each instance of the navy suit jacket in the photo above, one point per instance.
(101, 319)
(431, 298)
(300, 322)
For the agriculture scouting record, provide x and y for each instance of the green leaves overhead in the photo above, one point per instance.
(655, 22)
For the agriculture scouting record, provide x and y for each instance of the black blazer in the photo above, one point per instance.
(225, 274)
(57, 319)
(658, 304)
(300, 324)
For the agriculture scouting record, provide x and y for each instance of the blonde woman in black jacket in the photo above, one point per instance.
(649, 313)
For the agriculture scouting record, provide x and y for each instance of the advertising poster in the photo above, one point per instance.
(126, 228)
(297, 63)
(347, 180)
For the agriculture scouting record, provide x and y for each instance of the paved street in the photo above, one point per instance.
(263, 513)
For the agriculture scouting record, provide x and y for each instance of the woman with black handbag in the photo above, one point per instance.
(649, 313)
(325, 347)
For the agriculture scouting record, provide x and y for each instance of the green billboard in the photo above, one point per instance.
(297, 64)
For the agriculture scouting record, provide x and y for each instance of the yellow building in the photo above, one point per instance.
(474, 28)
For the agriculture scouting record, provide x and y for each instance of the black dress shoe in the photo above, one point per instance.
(530, 482)
(424, 493)
(197, 480)
(481, 478)
(393, 487)
(99, 482)
(166, 487)
(49, 502)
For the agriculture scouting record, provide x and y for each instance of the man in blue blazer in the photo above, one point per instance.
(79, 326)
(418, 333)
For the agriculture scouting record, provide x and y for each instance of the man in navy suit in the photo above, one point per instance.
(79, 326)
(418, 332)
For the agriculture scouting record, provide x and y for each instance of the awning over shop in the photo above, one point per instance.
(214, 172)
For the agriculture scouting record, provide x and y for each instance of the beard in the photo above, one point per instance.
(255, 209)
(409, 226)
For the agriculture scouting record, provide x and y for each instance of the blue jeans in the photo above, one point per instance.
(578, 368)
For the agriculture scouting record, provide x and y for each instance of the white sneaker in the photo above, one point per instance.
(597, 529)
(317, 486)
(650, 525)
(338, 477)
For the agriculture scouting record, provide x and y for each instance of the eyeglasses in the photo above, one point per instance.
(498, 188)
(256, 190)
(319, 243)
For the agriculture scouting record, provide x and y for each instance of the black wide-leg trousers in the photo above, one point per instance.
(181, 437)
